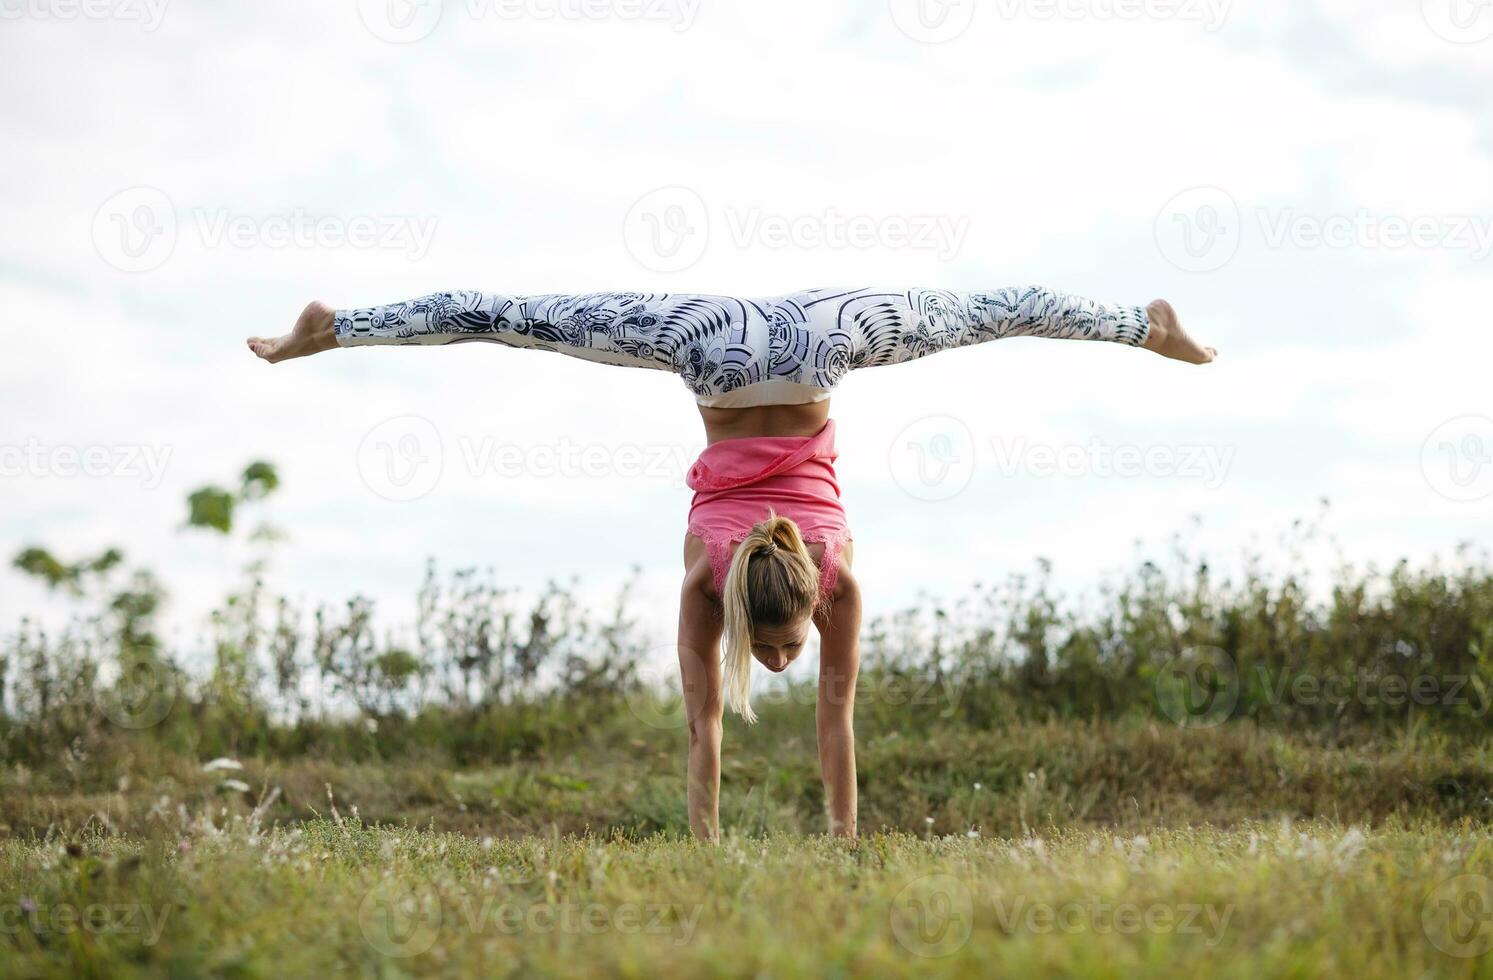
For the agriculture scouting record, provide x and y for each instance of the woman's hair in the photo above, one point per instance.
(772, 582)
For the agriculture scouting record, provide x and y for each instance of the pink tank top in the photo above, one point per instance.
(738, 481)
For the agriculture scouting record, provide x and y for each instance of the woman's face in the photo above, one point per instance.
(775, 647)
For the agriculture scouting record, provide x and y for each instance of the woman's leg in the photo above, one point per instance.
(631, 329)
(713, 342)
(871, 327)
(719, 343)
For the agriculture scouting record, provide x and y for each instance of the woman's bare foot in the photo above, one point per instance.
(1168, 339)
(312, 334)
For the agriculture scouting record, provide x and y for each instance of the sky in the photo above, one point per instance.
(1310, 182)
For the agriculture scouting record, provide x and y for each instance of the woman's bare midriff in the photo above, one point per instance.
(764, 420)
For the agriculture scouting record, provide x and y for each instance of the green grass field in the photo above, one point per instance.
(338, 897)
(1056, 849)
(1191, 776)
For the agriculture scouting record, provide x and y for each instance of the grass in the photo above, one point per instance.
(628, 778)
(1186, 776)
(1075, 849)
(336, 896)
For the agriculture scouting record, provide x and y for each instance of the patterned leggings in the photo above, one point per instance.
(721, 345)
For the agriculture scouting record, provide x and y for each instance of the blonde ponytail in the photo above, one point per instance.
(772, 581)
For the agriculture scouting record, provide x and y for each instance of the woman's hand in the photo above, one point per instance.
(839, 664)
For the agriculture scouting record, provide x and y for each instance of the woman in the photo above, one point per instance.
(768, 549)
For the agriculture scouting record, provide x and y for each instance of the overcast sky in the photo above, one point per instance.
(1309, 181)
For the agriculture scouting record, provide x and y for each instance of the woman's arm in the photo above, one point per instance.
(700, 675)
(839, 663)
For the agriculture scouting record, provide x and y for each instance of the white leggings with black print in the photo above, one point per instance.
(736, 352)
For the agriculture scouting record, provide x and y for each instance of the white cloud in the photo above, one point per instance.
(525, 141)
